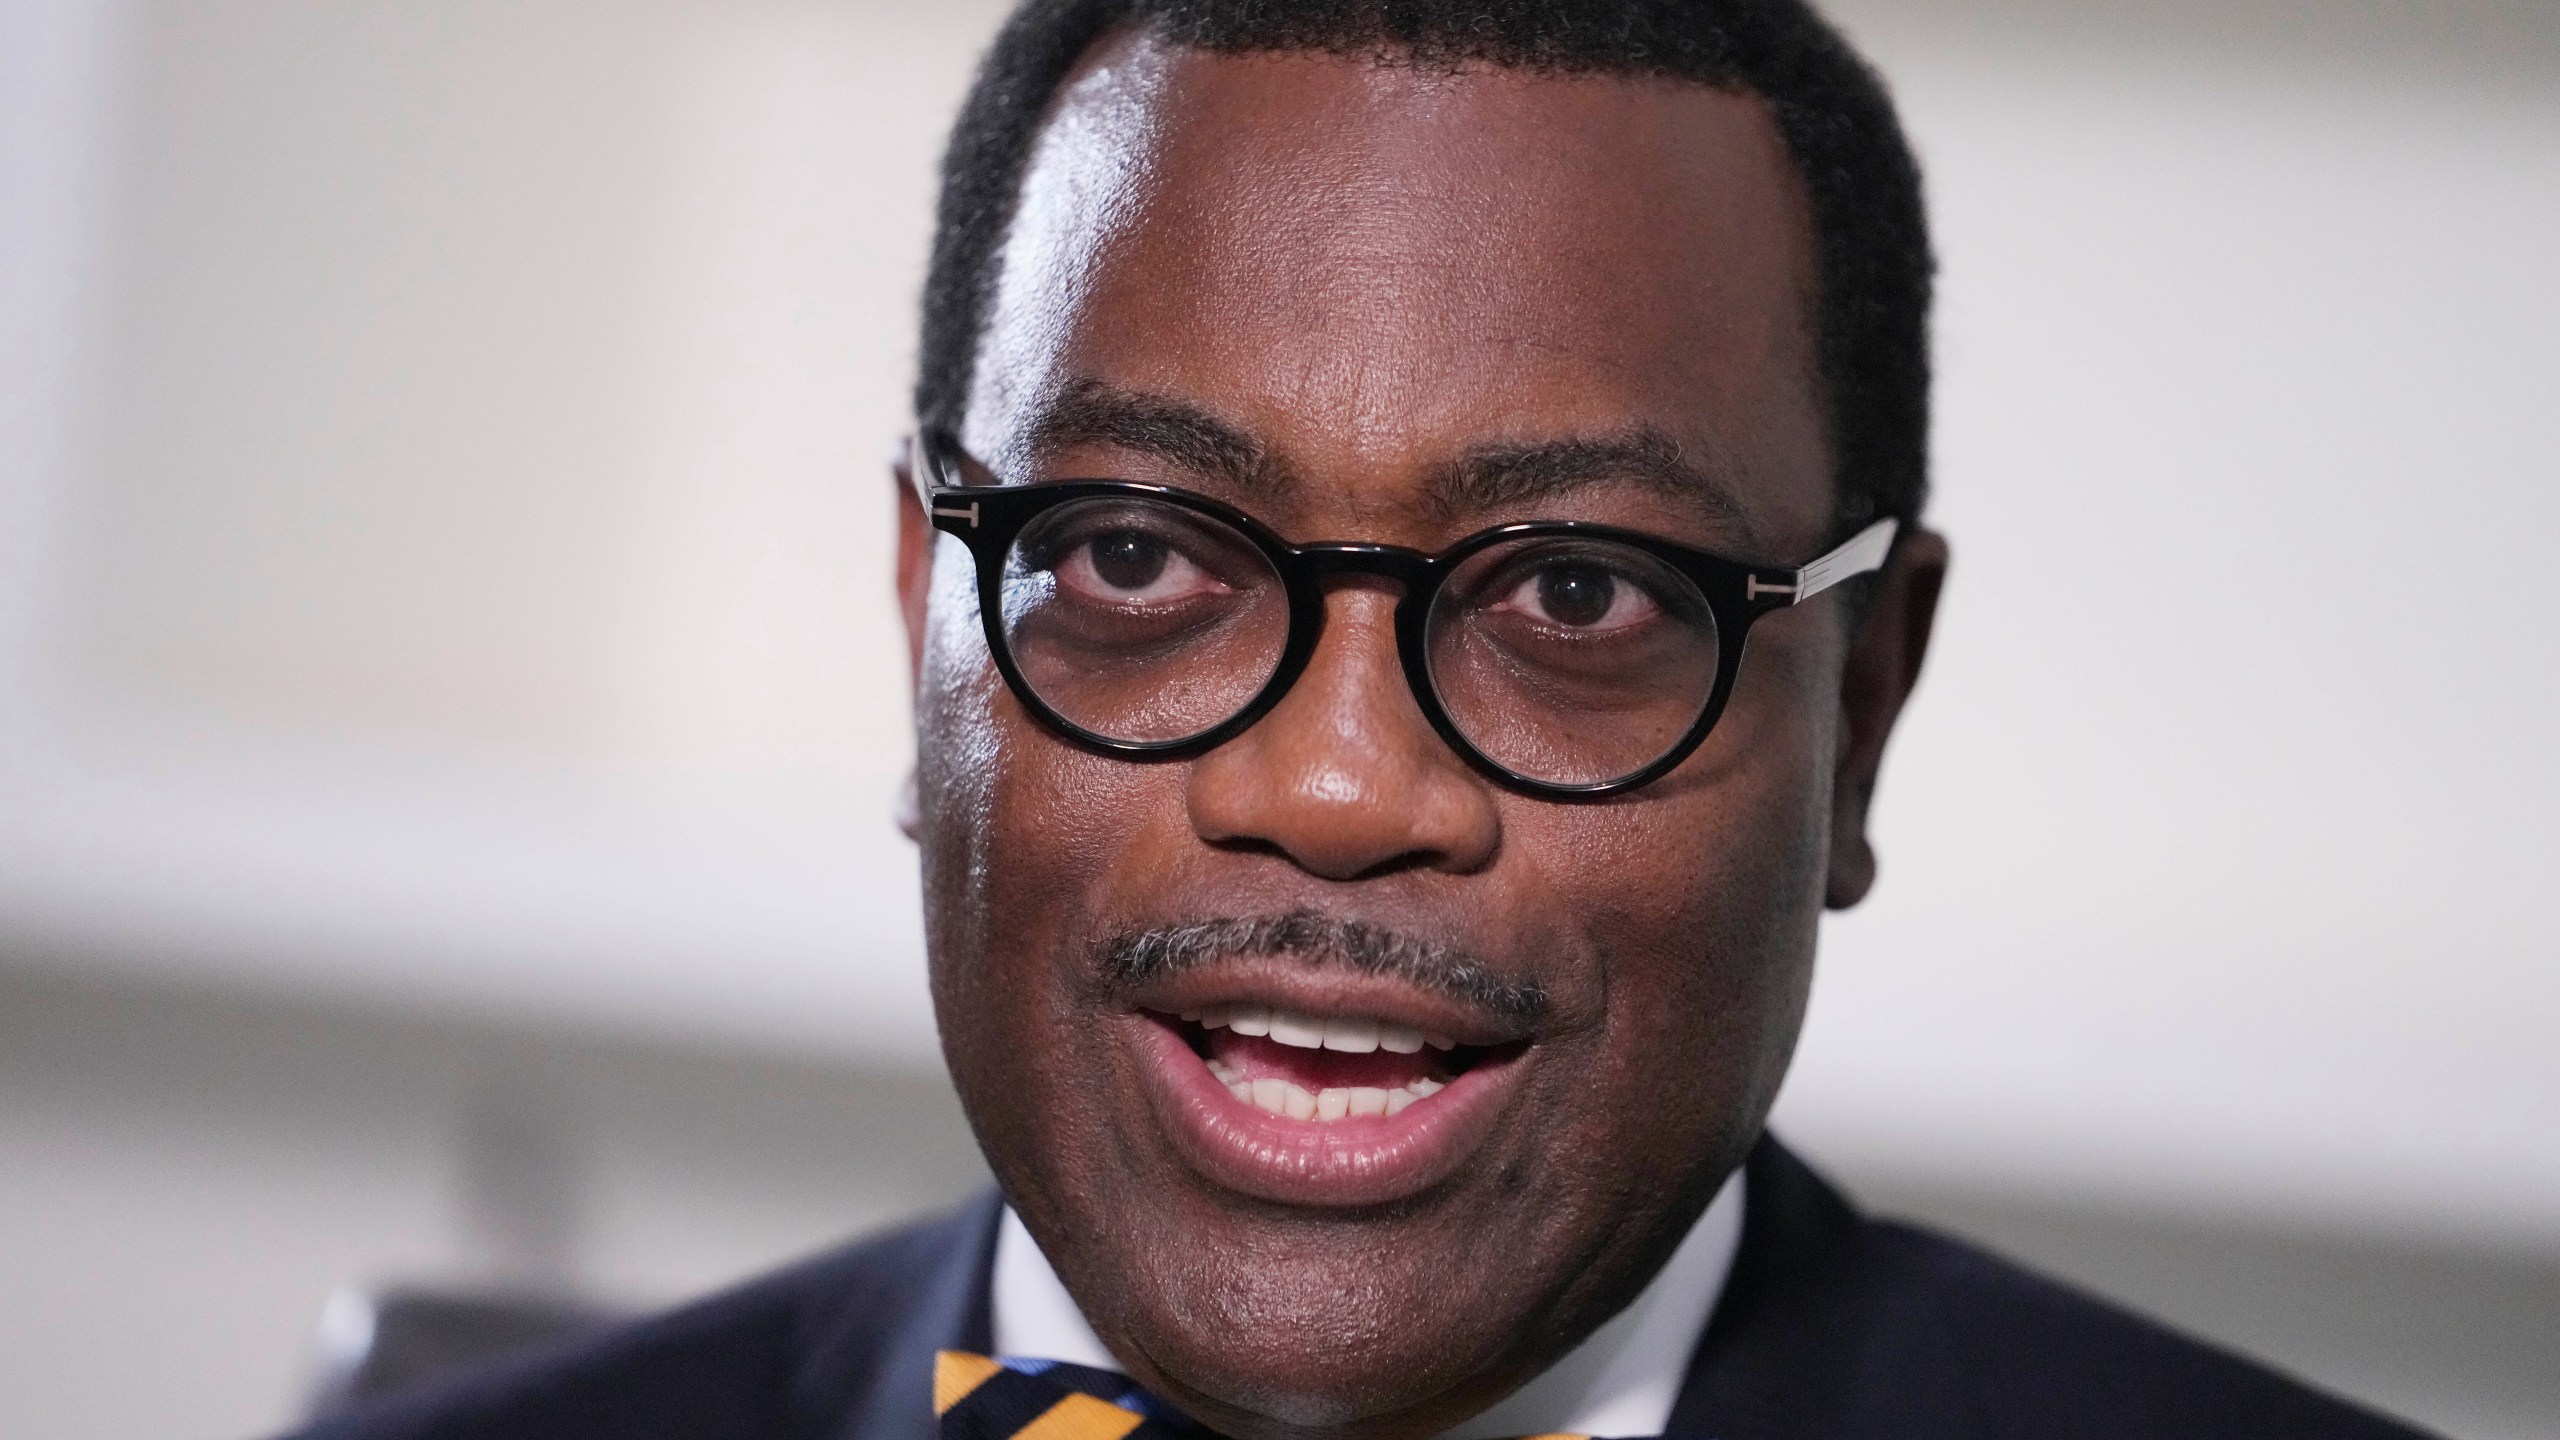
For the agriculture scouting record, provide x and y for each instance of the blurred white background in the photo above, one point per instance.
(449, 708)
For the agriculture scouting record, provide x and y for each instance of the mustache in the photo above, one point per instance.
(1138, 957)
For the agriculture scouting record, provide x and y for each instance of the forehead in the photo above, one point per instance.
(1373, 267)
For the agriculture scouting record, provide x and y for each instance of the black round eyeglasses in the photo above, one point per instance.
(1565, 659)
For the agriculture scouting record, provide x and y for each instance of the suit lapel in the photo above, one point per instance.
(1780, 1351)
(944, 1306)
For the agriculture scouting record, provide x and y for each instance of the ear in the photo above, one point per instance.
(1883, 664)
(915, 555)
(915, 584)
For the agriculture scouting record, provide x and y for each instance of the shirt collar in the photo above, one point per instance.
(1620, 1381)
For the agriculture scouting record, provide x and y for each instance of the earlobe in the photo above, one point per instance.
(908, 809)
(1876, 678)
(1853, 866)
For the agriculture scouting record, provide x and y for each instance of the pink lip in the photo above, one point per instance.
(1343, 1163)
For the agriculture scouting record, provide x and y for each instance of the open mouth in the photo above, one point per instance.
(1323, 1068)
(1330, 1109)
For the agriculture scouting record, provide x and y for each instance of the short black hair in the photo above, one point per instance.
(1871, 231)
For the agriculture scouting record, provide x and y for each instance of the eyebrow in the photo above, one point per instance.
(1511, 475)
(1095, 412)
(1092, 412)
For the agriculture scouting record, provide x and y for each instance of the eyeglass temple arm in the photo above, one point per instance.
(924, 477)
(1859, 554)
(919, 470)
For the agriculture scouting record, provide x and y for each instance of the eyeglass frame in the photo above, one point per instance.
(989, 517)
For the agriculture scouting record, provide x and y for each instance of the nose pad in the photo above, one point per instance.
(1345, 776)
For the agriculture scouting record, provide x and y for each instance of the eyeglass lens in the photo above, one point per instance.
(1570, 661)
(1140, 621)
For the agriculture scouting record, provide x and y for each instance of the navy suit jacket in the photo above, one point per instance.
(1831, 1325)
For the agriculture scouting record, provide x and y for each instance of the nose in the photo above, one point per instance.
(1345, 777)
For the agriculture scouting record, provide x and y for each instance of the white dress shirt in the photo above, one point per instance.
(1620, 1382)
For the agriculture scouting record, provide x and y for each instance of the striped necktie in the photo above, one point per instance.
(977, 1397)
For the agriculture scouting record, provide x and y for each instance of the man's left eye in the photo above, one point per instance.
(1580, 597)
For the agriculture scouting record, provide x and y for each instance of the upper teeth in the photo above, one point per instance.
(1353, 1034)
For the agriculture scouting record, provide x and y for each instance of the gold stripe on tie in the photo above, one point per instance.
(1081, 1417)
(955, 1374)
(1556, 1435)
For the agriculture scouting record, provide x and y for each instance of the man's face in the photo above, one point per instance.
(1381, 303)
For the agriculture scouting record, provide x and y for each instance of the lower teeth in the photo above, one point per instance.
(1280, 1097)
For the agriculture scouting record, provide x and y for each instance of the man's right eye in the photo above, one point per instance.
(1132, 567)
(1127, 560)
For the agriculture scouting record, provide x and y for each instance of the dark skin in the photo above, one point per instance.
(1327, 290)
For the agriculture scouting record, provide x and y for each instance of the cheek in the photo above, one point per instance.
(961, 747)
(1760, 849)
(957, 740)
(1704, 899)
(1017, 821)
(1021, 835)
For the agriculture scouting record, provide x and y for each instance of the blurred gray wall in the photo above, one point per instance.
(449, 710)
